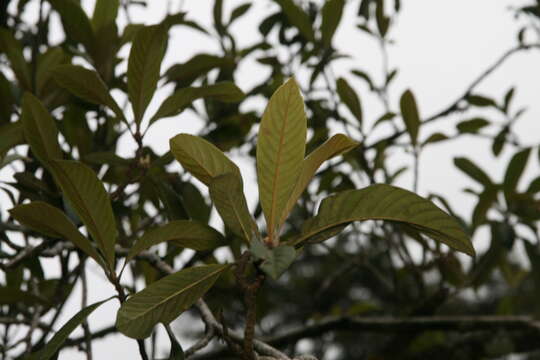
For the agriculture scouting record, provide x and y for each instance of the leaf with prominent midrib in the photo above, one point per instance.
(88, 197)
(385, 202)
(336, 145)
(58, 339)
(143, 67)
(40, 130)
(280, 152)
(202, 159)
(87, 85)
(185, 233)
(48, 220)
(176, 103)
(227, 193)
(409, 111)
(164, 300)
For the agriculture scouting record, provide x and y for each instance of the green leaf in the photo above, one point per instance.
(202, 159)
(87, 85)
(143, 67)
(485, 200)
(514, 171)
(227, 193)
(14, 52)
(239, 11)
(409, 111)
(52, 58)
(7, 100)
(40, 129)
(331, 16)
(336, 145)
(184, 233)
(164, 300)
(383, 21)
(279, 259)
(89, 199)
(76, 24)
(105, 12)
(48, 220)
(469, 168)
(280, 152)
(435, 137)
(10, 295)
(181, 99)
(472, 125)
(297, 17)
(11, 134)
(348, 97)
(481, 101)
(385, 202)
(184, 74)
(55, 344)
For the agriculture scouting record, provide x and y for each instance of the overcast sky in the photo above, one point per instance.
(441, 46)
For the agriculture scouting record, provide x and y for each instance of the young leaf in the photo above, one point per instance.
(40, 129)
(469, 168)
(336, 145)
(143, 67)
(48, 220)
(297, 17)
(331, 16)
(385, 202)
(76, 24)
(279, 260)
(280, 151)
(348, 97)
(164, 300)
(88, 197)
(184, 233)
(515, 170)
(105, 12)
(227, 193)
(176, 103)
(202, 159)
(55, 344)
(409, 111)
(12, 48)
(87, 85)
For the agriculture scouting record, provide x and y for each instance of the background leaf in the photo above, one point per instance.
(164, 300)
(14, 53)
(144, 64)
(469, 168)
(280, 151)
(385, 202)
(297, 17)
(279, 260)
(88, 197)
(409, 111)
(331, 17)
(76, 24)
(348, 97)
(514, 171)
(184, 233)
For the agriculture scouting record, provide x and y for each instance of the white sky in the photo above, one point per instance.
(441, 46)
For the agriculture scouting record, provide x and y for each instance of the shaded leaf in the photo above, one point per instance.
(331, 16)
(280, 152)
(336, 145)
(472, 125)
(11, 134)
(89, 199)
(76, 24)
(385, 202)
(514, 171)
(14, 52)
(184, 233)
(279, 260)
(105, 12)
(435, 137)
(409, 111)
(227, 193)
(40, 130)
(144, 65)
(348, 97)
(181, 99)
(239, 11)
(87, 85)
(164, 300)
(184, 74)
(177, 353)
(481, 101)
(55, 344)
(485, 200)
(470, 168)
(202, 159)
(49, 220)
(297, 17)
